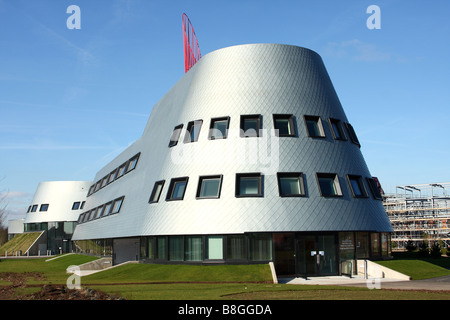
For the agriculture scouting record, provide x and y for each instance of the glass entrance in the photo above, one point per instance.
(316, 255)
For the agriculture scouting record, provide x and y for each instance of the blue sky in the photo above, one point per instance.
(71, 100)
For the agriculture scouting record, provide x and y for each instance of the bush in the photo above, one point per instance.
(435, 250)
(410, 246)
(423, 249)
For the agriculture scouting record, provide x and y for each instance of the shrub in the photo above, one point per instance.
(435, 250)
(423, 249)
(410, 246)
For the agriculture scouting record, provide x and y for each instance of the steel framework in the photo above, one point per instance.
(190, 44)
(419, 212)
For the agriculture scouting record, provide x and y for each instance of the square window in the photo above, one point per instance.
(44, 207)
(285, 125)
(76, 206)
(251, 125)
(219, 128)
(357, 186)
(193, 131)
(249, 185)
(209, 187)
(290, 184)
(175, 135)
(352, 134)
(375, 190)
(156, 193)
(314, 127)
(336, 128)
(329, 185)
(177, 188)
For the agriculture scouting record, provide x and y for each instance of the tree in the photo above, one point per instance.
(3, 228)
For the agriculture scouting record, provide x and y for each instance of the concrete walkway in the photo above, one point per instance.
(442, 283)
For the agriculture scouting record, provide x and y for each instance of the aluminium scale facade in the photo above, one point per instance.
(248, 158)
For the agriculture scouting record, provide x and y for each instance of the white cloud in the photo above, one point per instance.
(357, 50)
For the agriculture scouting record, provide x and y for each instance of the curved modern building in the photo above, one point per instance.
(55, 209)
(248, 158)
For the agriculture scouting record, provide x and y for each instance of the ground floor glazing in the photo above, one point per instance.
(293, 253)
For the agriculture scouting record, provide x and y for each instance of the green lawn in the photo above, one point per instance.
(218, 282)
(417, 269)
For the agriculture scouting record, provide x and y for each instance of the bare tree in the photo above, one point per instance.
(3, 227)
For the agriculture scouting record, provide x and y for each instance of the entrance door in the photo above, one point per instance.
(316, 255)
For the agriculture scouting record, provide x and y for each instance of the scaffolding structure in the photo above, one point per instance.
(419, 212)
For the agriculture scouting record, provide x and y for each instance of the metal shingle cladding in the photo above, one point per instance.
(261, 79)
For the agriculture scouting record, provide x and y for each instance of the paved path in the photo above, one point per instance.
(442, 283)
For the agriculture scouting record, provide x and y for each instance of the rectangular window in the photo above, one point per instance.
(161, 248)
(329, 184)
(132, 163)
(156, 193)
(76, 206)
(251, 125)
(34, 208)
(290, 184)
(44, 207)
(284, 125)
(209, 187)
(193, 131)
(219, 128)
(112, 176)
(121, 171)
(175, 135)
(260, 246)
(236, 247)
(177, 188)
(249, 185)
(352, 134)
(176, 248)
(314, 127)
(336, 128)
(117, 205)
(91, 190)
(82, 205)
(374, 189)
(214, 248)
(107, 210)
(194, 248)
(357, 186)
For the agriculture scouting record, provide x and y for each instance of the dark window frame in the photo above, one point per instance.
(338, 124)
(337, 184)
(318, 121)
(44, 207)
(292, 124)
(191, 126)
(361, 185)
(211, 128)
(352, 134)
(301, 181)
(209, 177)
(176, 133)
(376, 194)
(173, 181)
(76, 205)
(258, 118)
(258, 175)
(155, 188)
